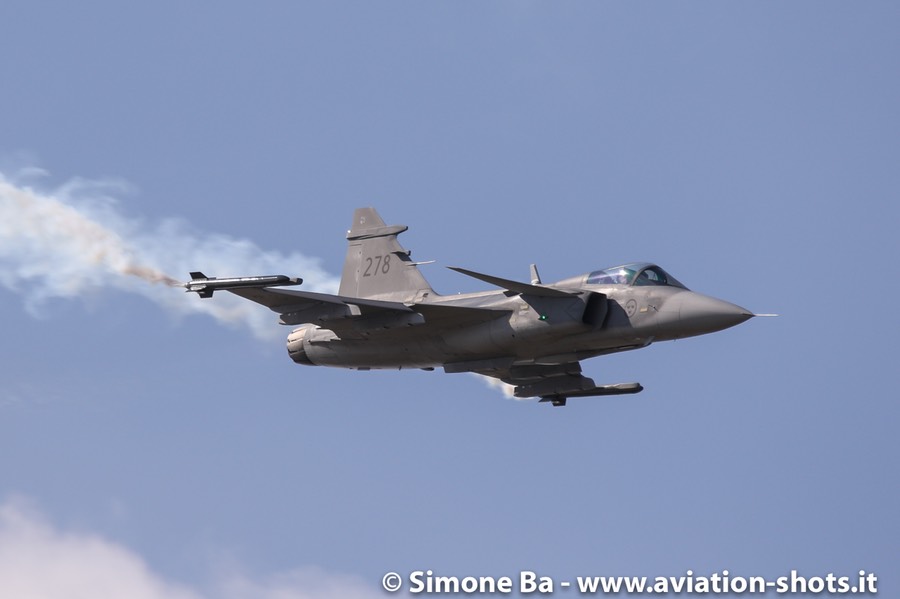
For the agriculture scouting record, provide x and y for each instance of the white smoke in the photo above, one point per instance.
(73, 241)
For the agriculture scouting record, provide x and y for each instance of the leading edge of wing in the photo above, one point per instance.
(514, 286)
(284, 300)
(309, 306)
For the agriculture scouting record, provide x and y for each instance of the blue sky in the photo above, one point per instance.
(750, 149)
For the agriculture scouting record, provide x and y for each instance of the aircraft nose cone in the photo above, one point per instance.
(703, 314)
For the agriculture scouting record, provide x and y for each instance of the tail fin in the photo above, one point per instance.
(377, 266)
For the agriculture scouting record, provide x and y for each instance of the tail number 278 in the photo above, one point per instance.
(377, 265)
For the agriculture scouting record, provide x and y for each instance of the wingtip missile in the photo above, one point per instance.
(205, 286)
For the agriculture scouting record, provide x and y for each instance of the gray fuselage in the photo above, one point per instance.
(527, 329)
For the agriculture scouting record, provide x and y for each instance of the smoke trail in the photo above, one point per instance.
(73, 241)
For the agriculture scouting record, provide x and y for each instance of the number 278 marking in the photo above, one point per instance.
(377, 265)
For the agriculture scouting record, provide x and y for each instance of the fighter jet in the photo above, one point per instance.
(531, 335)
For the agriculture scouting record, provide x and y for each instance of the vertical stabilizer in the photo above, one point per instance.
(377, 266)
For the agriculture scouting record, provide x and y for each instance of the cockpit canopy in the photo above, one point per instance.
(634, 274)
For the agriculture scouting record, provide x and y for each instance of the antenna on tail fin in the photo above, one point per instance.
(377, 266)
